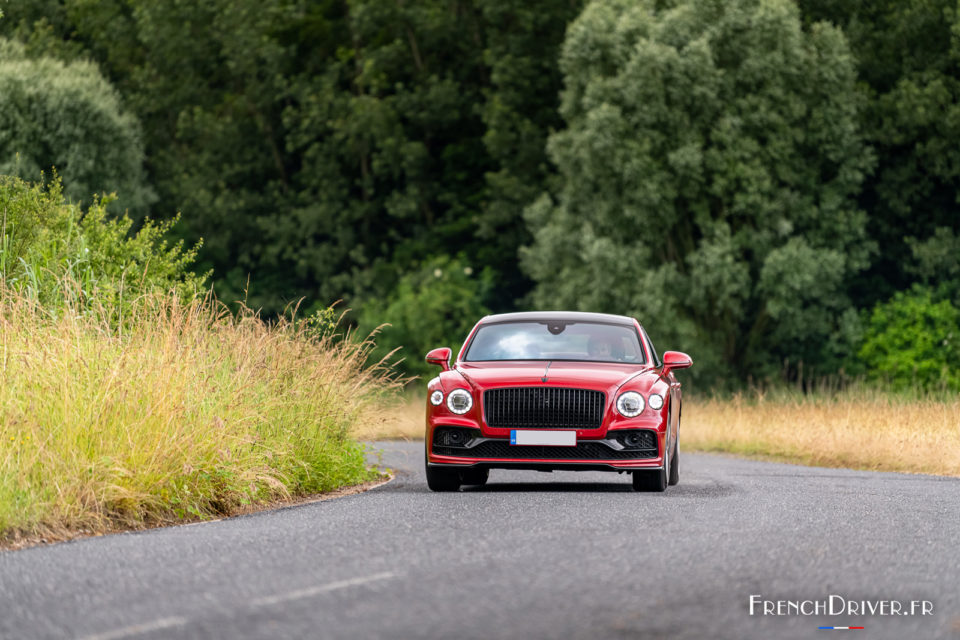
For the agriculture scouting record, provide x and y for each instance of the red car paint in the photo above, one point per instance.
(612, 378)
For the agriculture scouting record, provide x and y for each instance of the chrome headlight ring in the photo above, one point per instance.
(459, 401)
(630, 404)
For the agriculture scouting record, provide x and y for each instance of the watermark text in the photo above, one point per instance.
(836, 605)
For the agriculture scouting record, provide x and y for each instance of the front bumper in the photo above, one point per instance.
(600, 448)
(593, 454)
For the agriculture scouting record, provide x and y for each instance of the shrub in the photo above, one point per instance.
(54, 252)
(913, 340)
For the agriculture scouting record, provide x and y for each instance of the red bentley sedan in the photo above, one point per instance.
(554, 390)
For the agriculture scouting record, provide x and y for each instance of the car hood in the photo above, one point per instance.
(602, 376)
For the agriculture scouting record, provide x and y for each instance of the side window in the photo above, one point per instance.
(653, 349)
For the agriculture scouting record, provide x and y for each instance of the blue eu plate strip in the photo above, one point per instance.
(513, 436)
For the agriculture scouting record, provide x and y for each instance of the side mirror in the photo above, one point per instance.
(675, 360)
(440, 357)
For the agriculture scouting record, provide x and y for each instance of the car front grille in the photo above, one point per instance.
(545, 407)
(585, 450)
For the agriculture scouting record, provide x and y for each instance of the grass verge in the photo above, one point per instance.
(858, 429)
(181, 412)
(407, 417)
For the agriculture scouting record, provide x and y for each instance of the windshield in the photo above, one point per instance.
(555, 340)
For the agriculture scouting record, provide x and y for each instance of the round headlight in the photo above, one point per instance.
(655, 401)
(630, 404)
(436, 397)
(459, 401)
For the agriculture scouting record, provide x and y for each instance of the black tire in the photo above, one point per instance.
(477, 477)
(675, 465)
(441, 479)
(654, 480)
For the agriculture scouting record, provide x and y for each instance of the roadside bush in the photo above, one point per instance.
(128, 399)
(54, 252)
(433, 307)
(913, 341)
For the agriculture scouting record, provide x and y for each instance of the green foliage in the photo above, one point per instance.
(912, 341)
(433, 307)
(936, 261)
(712, 160)
(57, 254)
(327, 147)
(709, 168)
(324, 323)
(67, 117)
(908, 55)
(523, 41)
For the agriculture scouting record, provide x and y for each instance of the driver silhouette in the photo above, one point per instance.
(603, 349)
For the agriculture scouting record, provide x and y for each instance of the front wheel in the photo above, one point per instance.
(475, 476)
(675, 464)
(440, 479)
(654, 480)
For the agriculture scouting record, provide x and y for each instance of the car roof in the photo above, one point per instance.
(552, 316)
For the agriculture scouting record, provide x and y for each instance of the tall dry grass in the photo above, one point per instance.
(406, 422)
(183, 411)
(859, 428)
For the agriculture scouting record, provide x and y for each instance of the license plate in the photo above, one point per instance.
(547, 438)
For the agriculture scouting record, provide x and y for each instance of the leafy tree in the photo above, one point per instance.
(936, 259)
(391, 147)
(444, 108)
(908, 56)
(67, 117)
(522, 47)
(936, 264)
(709, 170)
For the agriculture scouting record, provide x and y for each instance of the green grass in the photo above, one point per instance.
(184, 411)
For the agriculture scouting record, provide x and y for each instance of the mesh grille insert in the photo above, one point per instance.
(546, 407)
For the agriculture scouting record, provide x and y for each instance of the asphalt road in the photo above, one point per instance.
(532, 555)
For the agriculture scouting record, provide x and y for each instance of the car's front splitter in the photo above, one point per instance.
(546, 464)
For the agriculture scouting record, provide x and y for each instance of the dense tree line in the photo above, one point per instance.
(327, 148)
(764, 183)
